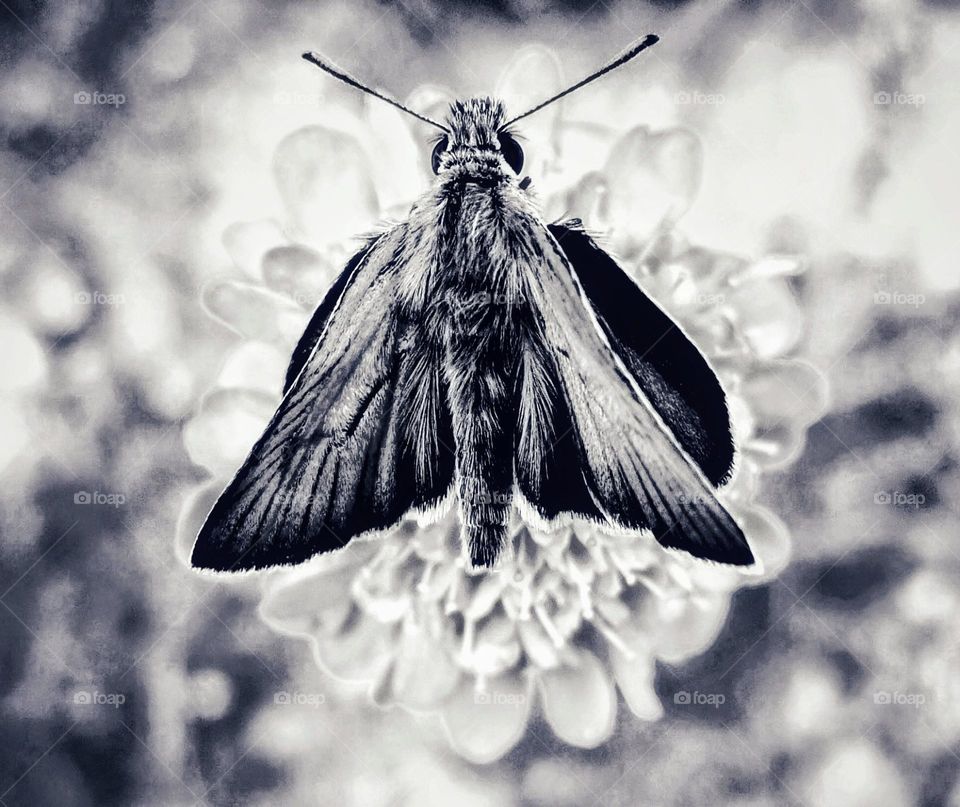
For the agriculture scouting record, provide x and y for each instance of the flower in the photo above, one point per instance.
(567, 618)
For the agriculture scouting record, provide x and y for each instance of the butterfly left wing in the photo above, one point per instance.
(321, 315)
(357, 441)
(590, 444)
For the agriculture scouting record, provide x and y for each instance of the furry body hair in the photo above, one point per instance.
(471, 293)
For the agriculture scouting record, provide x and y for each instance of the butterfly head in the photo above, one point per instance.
(476, 146)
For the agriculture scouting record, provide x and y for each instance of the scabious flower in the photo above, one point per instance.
(568, 618)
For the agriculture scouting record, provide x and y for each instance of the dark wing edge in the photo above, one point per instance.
(669, 368)
(336, 461)
(609, 457)
(320, 317)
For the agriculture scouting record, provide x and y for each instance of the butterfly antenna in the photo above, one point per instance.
(622, 58)
(346, 78)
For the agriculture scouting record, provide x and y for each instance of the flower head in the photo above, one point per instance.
(564, 618)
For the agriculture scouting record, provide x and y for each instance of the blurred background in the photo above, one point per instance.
(148, 152)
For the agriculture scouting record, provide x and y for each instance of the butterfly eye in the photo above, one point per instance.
(511, 151)
(438, 150)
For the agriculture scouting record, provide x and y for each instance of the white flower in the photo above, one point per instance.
(564, 618)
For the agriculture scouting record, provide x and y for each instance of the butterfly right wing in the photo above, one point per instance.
(589, 443)
(341, 456)
(671, 371)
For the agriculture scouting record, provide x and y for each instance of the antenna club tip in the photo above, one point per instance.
(642, 44)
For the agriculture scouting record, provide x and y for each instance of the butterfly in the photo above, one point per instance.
(474, 356)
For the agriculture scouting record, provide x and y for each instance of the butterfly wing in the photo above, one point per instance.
(590, 443)
(670, 370)
(341, 456)
(318, 321)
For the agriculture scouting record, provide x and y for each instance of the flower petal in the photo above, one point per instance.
(228, 424)
(767, 267)
(359, 652)
(786, 392)
(635, 679)
(314, 598)
(325, 184)
(653, 179)
(774, 448)
(424, 673)
(255, 365)
(192, 516)
(686, 627)
(433, 101)
(769, 316)
(520, 94)
(247, 241)
(253, 312)
(299, 272)
(579, 701)
(394, 153)
(582, 148)
(495, 649)
(484, 723)
(770, 540)
(542, 651)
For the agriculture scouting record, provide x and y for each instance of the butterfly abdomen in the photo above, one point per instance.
(484, 315)
(480, 369)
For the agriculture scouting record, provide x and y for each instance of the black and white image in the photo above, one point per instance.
(495, 403)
